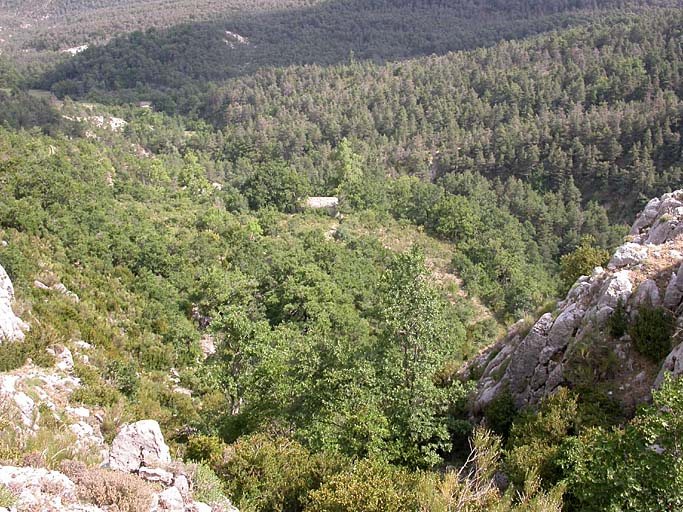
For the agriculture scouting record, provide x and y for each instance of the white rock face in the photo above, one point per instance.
(628, 254)
(139, 444)
(59, 288)
(12, 328)
(76, 49)
(330, 204)
(660, 221)
(207, 344)
(198, 506)
(183, 485)
(65, 360)
(40, 489)
(674, 290)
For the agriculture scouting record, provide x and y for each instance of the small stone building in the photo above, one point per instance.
(323, 203)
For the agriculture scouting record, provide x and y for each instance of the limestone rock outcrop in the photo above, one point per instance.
(531, 362)
(12, 328)
(150, 476)
(41, 489)
(138, 445)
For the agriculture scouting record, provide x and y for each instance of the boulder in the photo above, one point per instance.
(647, 293)
(647, 216)
(139, 444)
(198, 506)
(674, 290)
(171, 500)
(207, 345)
(65, 360)
(673, 365)
(156, 475)
(183, 485)
(616, 289)
(12, 328)
(60, 288)
(26, 406)
(628, 254)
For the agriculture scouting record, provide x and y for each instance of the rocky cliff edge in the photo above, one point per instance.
(562, 346)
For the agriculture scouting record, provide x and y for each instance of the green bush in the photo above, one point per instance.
(635, 468)
(371, 486)
(272, 474)
(207, 487)
(123, 376)
(536, 438)
(14, 355)
(204, 449)
(617, 323)
(7, 497)
(651, 332)
(500, 413)
(597, 408)
(582, 261)
(96, 394)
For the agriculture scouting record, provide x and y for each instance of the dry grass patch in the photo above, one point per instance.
(106, 488)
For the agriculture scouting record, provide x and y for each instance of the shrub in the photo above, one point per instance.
(266, 473)
(582, 261)
(94, 391)
(536, 438)
(7, 497)
(368, 485)
(12, 436)
(14, 355)
(205, 449)
(98, 394)
(104, 488)
(617, 323)
(597, 408)
(637, 467)
(113, 416)
(651, 332)
(123, 377)
(207, 487)
(500, 413)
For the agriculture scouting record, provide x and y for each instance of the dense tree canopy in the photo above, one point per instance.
(484, 154)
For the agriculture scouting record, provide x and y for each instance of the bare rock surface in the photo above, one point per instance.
(12, 328)
(673, 365)
(137, 445)
(41, 489)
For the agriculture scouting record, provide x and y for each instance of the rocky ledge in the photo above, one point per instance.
(647, 270)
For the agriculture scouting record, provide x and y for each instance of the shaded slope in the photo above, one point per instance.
(324, 33)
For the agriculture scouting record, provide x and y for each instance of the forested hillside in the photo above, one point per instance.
(484, 154)
(52, 25)
(598, 105)
(308, 33)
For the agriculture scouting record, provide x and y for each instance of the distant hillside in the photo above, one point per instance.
(35, 30)
(596, 108)
(282, 34)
